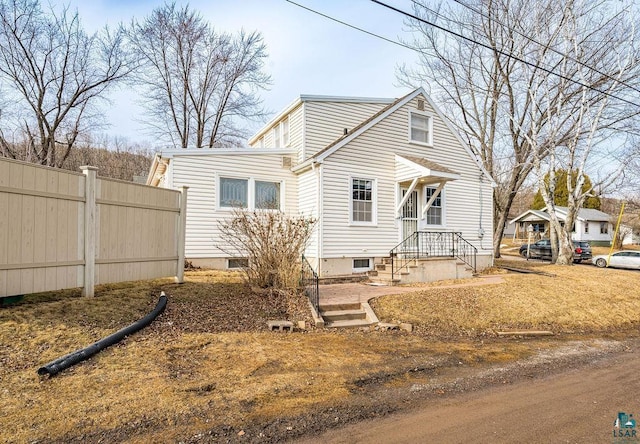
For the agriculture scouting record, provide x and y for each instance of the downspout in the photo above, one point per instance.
(481, 232)
(319, 207)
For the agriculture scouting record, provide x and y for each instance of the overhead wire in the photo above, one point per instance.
(503, 53)
(521, 34)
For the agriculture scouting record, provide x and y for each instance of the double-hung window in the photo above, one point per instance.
(434, 213)
(420, 128)
(362, 201)
(281, 134)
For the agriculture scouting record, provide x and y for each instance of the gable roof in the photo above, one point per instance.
(584, 214)
(382, 114)
(587, 214)
(535, 215)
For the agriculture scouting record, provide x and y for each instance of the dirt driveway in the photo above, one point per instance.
(576, 406)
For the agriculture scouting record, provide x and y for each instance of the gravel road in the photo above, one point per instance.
(575, 405)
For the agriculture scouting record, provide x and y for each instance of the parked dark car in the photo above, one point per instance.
(584, 249)
(542, 250)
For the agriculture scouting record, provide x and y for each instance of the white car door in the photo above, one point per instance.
(618, 260)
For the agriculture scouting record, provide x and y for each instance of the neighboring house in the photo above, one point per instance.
(630, 235)
(372, 172)
(591, 225)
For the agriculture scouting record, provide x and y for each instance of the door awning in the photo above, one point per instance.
(412, 171)
(410, 168)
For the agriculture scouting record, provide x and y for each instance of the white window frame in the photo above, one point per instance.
(219, 192)
(429, 117)
(586, 227)
(442, 206)
(280, 133)
(374, 202)
(255, 197)
(251, 193)
(604, 228)
(361, 269)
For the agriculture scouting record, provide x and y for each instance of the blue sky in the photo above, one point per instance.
(308, 54)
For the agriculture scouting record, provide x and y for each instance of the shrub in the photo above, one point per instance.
(273, 243)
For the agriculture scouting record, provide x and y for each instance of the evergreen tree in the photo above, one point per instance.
(561, 193)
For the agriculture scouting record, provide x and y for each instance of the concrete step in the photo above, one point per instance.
(343, 315)
(352, 323)
(339, 307)
(348, 315)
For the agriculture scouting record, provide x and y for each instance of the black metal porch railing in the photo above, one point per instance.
(426, 244)
(310, 282)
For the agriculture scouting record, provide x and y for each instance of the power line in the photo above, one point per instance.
(503, 53)
(480, 12)
(354, 27)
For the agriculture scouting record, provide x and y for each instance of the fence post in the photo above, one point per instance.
(182, 228)
(89, 230)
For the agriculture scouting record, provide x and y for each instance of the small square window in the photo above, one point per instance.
(267, 195)
(237, 262)
(362, 264)
(420, 128)
(234, 192)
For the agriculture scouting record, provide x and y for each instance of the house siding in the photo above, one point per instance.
(296, 139)
(325, 121)
(308, 207)
(371, 155)
(201, 175)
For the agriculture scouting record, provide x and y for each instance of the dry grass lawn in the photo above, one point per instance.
(208, 361)
(578, 299)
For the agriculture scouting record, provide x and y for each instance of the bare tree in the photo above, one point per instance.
(596, 68)
(55, 72)
(485, 81)
(198, 81)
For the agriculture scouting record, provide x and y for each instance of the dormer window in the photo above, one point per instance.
(281, 134)
(420, 128)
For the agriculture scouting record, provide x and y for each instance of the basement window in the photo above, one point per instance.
(237, 262)
(361, 265)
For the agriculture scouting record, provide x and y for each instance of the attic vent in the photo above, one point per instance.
(286, 162)
(420, 104)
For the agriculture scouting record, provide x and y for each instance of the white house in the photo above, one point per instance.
(591, 225)
(373, 172)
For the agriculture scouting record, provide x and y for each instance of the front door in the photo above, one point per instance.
(409, 219)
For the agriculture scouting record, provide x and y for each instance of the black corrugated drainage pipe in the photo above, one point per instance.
(55, 367)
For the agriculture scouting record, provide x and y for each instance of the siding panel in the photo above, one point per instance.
(201, 174)
(468, 203)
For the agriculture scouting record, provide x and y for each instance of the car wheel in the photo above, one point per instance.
(523, 253)
(601, 263)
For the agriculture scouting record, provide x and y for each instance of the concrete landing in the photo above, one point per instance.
(354, 293)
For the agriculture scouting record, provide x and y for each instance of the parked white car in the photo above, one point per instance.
(619, 259)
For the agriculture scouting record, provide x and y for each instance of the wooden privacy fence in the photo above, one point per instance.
(61, 229)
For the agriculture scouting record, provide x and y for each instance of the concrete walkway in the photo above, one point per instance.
(334, 294)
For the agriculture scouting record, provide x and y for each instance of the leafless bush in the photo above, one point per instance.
(273, 243)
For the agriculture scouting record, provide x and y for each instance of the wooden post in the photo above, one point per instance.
(89, 230)
(182, 228)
